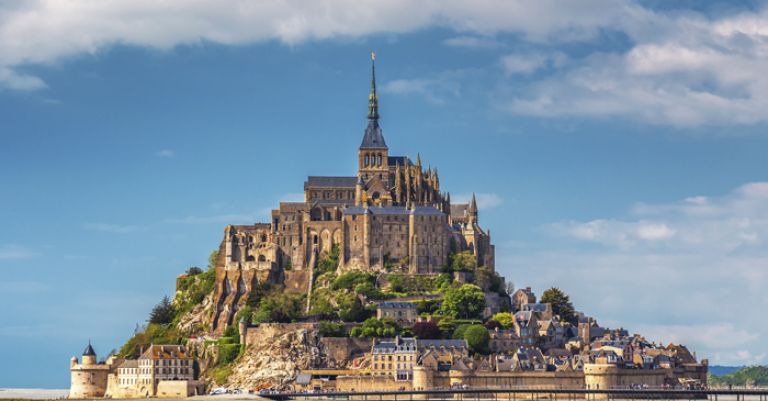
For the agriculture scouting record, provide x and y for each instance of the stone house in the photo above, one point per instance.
(401, 312)
(521, 297)
(160, 371)
(502, 341)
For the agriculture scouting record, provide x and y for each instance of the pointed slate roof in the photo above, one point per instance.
(89, 350)
(373, 138)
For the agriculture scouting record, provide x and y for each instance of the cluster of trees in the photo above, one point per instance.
(751, 375)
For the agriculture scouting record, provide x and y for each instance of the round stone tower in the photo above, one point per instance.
(89, 378)
(423, 379)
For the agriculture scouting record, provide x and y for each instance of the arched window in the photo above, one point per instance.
(262, 258)
(378, 159)
(366, 160)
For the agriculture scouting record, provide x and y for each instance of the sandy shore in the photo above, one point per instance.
(32, 393)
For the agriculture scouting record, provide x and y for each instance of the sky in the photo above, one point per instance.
(617, 149)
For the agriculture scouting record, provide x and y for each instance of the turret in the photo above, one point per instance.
(359, 191)
(89, 355)
(473, 210)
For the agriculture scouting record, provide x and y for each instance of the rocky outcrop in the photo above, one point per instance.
(274, 361)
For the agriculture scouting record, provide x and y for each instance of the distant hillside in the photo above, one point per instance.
(752, 375)
(719, 370)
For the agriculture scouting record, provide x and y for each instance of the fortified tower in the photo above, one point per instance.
(89, 378)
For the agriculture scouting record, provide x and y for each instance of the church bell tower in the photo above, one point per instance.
(373, 152)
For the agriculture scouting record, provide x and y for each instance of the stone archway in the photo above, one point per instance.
(325, 241)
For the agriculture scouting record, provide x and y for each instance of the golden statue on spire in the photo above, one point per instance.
(373, 56)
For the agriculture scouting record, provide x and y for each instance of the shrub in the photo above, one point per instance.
(228, 353)
(351, 279)
(151, 334)
(220, 374)
(505, 319)
(330, 329)
(279, 307)
(371, 292)
(373, 327)
(351, 309)
(329, 262)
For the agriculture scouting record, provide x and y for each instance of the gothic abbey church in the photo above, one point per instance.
(390, 216)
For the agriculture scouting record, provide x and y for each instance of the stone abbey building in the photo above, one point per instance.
(391, 215)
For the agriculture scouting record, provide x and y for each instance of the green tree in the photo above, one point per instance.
(212, 259)
(465, 302)
(373, 327)
(463, 261)
(477, 338)
(163, 312)
(329, 262)
(505, 319)
(351, 279)
(561, 304)
(752, 375)
(322, 306)
(458, 334)
(194, 271)
(279, 307)
(350, 308)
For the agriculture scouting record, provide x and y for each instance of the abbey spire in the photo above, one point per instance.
(373, 155)
(373, 100)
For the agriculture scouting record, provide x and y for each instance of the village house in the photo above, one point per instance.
(401, 312)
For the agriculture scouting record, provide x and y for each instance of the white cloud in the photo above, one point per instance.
(12, 251)
(13, 80)
(446, 85)
(528, 63)
(46, 31)
(166, 153)
(111, 228)
(231, 218)
(735, 222)
(473, 42)
(692, 271)
(684, 71)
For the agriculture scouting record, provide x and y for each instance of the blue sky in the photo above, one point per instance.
(618, 150)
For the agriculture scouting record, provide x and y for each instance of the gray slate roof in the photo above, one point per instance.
(89, 351)
(392, 210)
(373, 138)
(442, 343)
(401, 160)
(397, 305)
(330, 182)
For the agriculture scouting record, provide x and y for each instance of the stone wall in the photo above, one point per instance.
(271, 330)
(338, 351)
(297, 281)
(176, 388)
(605, 377)
(370, 383)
